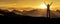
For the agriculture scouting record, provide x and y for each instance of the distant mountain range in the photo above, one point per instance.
(26, 8)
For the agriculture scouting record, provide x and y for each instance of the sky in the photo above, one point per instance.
(28, 3)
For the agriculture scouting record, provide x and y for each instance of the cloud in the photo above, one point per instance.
(7, 1)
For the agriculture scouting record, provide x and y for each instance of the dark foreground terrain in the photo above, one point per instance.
(28, 20)
(12, 18)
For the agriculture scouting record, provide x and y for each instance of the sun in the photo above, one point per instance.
(43, 6)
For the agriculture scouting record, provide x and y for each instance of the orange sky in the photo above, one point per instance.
(27, 3)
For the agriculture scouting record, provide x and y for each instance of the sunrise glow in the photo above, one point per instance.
(43, 6)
